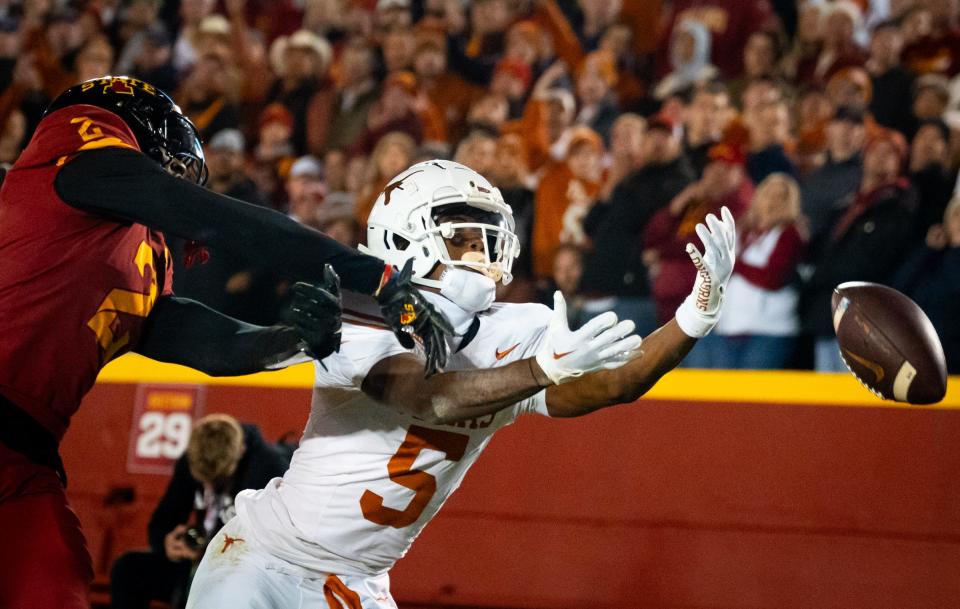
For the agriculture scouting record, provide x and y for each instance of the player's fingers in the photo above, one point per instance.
(597, 325)
(331, 280)
(623, 348)
(607, 337)
(695, 256)
(719, 236)
(559, 310)
(706, 238)
(406, 272)
(729, 224)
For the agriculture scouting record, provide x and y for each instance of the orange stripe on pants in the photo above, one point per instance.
(338, 595)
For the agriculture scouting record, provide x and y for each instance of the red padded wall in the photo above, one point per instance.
(659, 504)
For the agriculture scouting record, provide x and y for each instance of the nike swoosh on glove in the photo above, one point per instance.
(602, 343)
(700, 311)
(409, 314)
(315, 314)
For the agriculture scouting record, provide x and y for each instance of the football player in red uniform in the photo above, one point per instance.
(85, 276)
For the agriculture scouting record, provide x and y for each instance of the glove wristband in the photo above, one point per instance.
(694, 322)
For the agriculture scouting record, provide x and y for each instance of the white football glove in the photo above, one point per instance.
(700, 311)
(600, 343)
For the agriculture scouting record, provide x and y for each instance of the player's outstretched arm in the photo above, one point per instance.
(186, 332)
(126, 184)
(450, 397)
(666, 347)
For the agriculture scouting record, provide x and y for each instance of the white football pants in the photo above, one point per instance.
(236, 573)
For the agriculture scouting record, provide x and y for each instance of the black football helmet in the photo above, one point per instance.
(163, 133)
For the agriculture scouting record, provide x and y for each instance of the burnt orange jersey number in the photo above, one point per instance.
(423, 484)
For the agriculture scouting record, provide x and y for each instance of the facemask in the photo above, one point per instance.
(470, 291)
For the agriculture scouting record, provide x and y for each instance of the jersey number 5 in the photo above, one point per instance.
(424, 485)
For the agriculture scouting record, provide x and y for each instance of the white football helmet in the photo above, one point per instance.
(403, 221)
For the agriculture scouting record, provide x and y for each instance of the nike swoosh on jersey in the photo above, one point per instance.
(505, 352)
(874, 367)
(559, 355)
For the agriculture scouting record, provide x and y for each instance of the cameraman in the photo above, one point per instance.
(222, 458)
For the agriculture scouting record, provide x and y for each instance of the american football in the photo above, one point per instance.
(888, 343)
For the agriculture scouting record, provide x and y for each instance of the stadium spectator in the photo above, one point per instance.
(929, 45)
(510, 172)
(192, 13)
(394, 152)
(596, 78)
(567, 271)
(338, 116)
(762, 58)
(843, 18)
(808, 40)
(564, 197)
(397, 110)
(511, 79)
(477, 151)
(626, 148)
(447, 90)
(730, 23)
(813, 114)
(863, 242)
(305, 190)
(827, 188)
(705, 119)
(210, 95)
(300, 62)
(889, 78)
(398, 46)
(614, 275)
(769, 128)
(759, 329)
(223, 457)
(929, 276)
(153, 60)
(724, 183)
(931, 96)
(930, 172)
(690, 59)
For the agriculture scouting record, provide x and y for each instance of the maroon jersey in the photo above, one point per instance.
(75, 287)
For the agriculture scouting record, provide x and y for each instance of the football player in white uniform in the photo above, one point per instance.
(384, 447)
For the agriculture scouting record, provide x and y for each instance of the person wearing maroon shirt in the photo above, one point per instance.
(724, 184)
(731, 22)
(759, 328)
(86, 276)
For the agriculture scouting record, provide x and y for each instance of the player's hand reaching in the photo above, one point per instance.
(700, 311)
(409, 314)
(602, 343)
(315, 314)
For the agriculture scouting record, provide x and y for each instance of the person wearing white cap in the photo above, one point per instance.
(305, 189)
(300, 62)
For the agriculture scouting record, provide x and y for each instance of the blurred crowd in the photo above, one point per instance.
(612, 127)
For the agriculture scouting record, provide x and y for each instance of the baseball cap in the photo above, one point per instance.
(306, 166)
(227, 140)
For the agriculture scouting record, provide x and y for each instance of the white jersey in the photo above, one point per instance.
(367, 478)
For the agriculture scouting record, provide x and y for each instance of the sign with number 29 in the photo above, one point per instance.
(163, 416)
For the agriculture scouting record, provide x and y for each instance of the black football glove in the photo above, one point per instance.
(408, 313)
(315, 314)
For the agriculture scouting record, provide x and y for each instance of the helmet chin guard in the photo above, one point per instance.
(403, 223)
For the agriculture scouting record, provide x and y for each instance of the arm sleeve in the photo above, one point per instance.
(186, 332)
(174, 507)
(126, 184)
